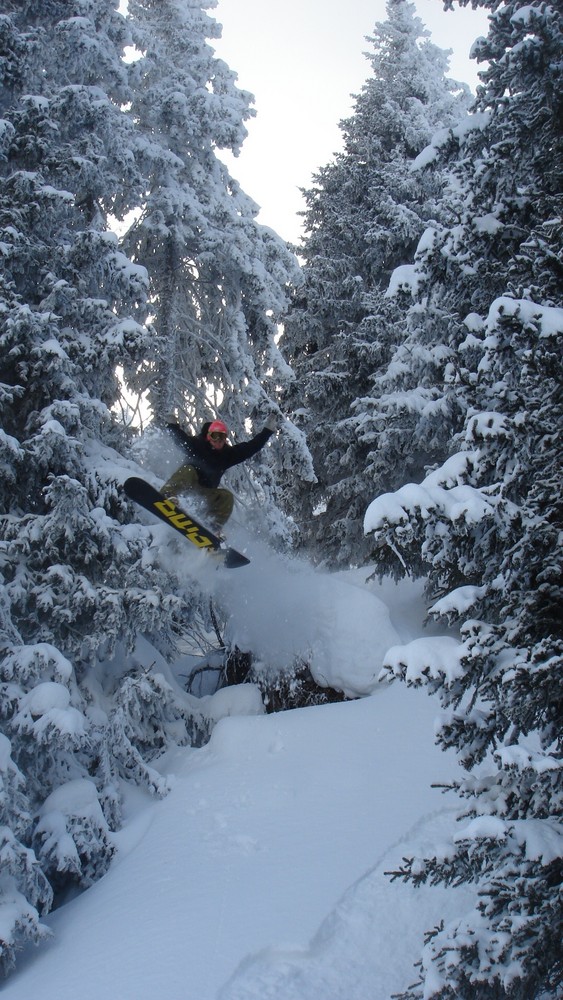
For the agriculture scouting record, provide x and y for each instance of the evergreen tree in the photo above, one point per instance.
(219, 281)
(76, 589)
(52, 331)
(487, 522)
(364, 218)
(87, 138)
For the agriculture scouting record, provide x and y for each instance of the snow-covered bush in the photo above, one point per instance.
(71, 837)
(25, 892)
(146, 717)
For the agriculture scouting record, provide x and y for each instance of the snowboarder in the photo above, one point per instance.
(209, 456)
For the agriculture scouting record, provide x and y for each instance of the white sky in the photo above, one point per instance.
(302, 60)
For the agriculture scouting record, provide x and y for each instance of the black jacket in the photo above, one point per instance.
(210, 463)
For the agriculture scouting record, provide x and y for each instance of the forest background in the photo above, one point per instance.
(412, 358)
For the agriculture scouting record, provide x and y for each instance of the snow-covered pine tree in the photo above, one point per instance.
(488, 522)
(24, 889)
(219, 280)
(364, 217)
(75, 587)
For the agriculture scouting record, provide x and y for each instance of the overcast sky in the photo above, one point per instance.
(302, 60)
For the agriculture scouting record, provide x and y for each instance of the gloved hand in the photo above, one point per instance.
(271, 422)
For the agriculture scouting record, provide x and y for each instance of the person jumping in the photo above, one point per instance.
(209, 456)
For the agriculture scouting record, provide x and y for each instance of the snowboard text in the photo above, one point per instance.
(183, 523)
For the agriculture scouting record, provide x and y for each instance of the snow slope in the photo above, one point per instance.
(264, 831)
(261, 874)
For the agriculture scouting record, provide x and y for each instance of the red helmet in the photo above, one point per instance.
(217, 427)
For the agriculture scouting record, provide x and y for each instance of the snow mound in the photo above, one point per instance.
(341, 630)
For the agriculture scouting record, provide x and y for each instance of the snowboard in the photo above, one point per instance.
(146, 496)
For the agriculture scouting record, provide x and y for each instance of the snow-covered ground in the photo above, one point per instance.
(261, 874)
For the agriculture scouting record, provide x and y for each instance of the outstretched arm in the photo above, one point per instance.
(180, 437)
(246, 449)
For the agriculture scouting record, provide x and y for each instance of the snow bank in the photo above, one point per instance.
(360, 949)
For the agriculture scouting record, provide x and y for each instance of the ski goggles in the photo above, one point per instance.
(218, 436)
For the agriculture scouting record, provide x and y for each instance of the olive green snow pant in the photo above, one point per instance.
(219, 502)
